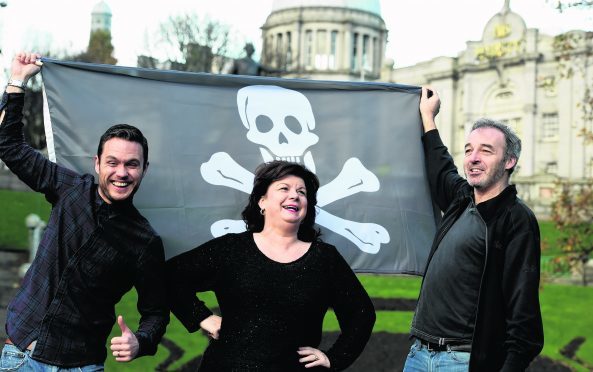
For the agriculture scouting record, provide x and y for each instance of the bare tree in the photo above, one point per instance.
(191, 43)
(33, 115)
(562, 5)
(33, 109)
(99, 50)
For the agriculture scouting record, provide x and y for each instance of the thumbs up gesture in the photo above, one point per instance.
(125, 347)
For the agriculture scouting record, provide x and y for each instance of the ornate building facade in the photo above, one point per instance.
(325, 39)
(514, 75)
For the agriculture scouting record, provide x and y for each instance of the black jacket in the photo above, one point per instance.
(509, 331)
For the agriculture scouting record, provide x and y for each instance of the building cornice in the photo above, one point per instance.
(320, 14)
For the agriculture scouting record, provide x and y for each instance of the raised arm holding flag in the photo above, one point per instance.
(96, 247)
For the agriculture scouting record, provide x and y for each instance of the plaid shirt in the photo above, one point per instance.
(90, 255)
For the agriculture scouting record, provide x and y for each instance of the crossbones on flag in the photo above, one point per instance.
(207, 134)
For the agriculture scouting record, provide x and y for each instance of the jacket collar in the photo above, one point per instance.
(492, 207)
(125, 207)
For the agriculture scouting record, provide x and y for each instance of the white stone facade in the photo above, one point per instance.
(513, 75)
(331, 40)
(101, 17)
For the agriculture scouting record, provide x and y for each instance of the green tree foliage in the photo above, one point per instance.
(573, 215)
(572, 211)
(99, 50)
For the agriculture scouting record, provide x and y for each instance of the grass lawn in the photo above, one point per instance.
(387, 286)
(566, 312)
(16, 205)
(193, 344)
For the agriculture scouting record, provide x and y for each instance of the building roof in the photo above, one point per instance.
(371, 6)
(101, 8)
(504, 25)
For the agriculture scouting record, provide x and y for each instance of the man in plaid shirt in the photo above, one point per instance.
(96, 247)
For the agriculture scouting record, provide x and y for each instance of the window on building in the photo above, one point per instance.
(269, 55)
(279, 45)
(552, 167)
(288, 49)
(333, 50)
(366, 58)
(504, 95)
(376, 55)
(321, 50)
(308, 49)
(546, 193)
(550, 126)
(515, 124)
(279, 53)
(354, 55)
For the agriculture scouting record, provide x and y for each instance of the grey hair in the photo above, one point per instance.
(512, 141)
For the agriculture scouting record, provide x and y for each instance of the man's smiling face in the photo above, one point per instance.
(120, 169)
(484, 163)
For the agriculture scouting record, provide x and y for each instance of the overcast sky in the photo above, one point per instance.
(419, 30)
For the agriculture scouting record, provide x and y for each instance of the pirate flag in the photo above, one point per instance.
(207, 134)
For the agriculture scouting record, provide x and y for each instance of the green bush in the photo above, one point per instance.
(549, 238)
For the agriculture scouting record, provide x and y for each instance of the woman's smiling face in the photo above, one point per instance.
(285, 200)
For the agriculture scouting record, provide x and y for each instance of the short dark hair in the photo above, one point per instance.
(128, 133)
(265, 175)
(512, 141)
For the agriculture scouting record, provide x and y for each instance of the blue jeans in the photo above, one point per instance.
(15, 360)
(420, 359)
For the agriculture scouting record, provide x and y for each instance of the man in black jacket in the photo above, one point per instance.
(478, 307)
(96, 247)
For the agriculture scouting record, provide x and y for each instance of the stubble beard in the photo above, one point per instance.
(490, 180)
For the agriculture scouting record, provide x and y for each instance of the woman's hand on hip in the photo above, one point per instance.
(211, 326)
(312, 357)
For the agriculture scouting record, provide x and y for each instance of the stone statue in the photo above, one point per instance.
(246, 65)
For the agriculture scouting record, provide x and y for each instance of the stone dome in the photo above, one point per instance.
(371, 6)
(101, 8)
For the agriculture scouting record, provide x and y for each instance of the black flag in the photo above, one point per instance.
(207, 134)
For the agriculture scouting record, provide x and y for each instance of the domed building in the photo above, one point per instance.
(324, 39)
